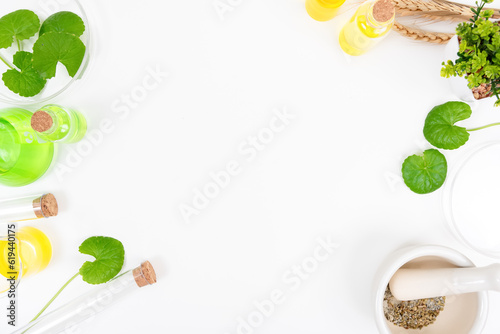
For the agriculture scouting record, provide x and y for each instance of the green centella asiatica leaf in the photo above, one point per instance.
(23, 60)
(63, 22)
(426, 173)
(440, 129)
(109, 257)
(20, 25)
(26, 81)
(54, 47)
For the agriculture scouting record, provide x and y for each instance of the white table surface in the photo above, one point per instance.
(333, 172)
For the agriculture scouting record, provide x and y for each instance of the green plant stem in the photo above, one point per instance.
(19, 45)
(5, 62)
(55, 296)
(483, 127)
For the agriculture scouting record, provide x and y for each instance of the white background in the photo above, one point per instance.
(333, 171)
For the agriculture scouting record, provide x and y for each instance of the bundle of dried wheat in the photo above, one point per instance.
(431, 11)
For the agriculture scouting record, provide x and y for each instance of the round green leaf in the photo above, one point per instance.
(27, 82)
(425, 174)
(23, 60)
(21, 24)
(109, 257)
(53, 47)
(440, 129)
(63, 22)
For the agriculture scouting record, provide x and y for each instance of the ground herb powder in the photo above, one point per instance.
(412, 314)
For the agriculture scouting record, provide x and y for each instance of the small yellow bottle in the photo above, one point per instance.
(323, 10)
(25, 254)
(368, 26)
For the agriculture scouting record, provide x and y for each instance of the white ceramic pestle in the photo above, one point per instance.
(410, 284)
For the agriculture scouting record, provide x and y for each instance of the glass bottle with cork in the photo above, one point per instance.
(369, 25)
(56, 124)
(323, 10)
(83, 309)
(23, 158)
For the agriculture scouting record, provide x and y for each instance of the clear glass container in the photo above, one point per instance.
(28, 208)
(368, 26)
(56, 124)
(23, 159)
(471, 196)
(323, 10)
(68, 318)
(62, 81)
(30, 254)
(9, 276)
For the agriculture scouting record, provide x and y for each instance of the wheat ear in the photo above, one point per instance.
(439, 8)
(422, 35)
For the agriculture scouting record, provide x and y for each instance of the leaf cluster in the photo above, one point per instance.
(479, 51)
(426, 173)
(58, 42)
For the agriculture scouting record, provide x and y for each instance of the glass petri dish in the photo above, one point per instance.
(62, 81)
(471, 199)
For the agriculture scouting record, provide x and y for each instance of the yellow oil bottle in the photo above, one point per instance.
(323, 10)
(369, 25)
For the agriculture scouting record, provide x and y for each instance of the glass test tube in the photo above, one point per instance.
(28, 208)
(67, 318)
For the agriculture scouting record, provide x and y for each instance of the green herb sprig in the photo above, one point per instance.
(427, 173)
(109, 255)
(479, 51)
(58, 41)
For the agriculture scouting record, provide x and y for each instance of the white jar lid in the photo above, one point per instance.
(471, 199)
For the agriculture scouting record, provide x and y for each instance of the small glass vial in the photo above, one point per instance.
(368, 26)
(323, 10)
(28, 208)
(54, 123)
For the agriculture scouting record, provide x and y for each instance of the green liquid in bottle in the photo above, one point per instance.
(23, 159)
(9, 150)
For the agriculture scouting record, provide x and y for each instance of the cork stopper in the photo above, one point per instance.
(41, 121)
(144, 275)
(46, 206)
(383, 10)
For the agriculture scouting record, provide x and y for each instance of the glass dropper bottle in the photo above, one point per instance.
(54, 123)
(28, 208)
(67, 318)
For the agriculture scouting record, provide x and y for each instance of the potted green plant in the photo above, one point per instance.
(477, 45)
